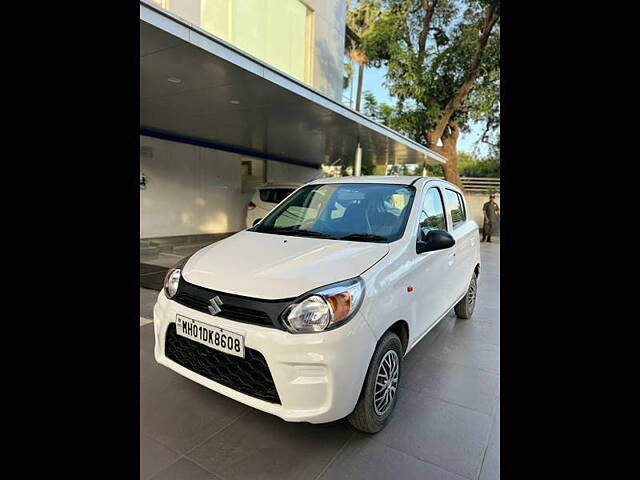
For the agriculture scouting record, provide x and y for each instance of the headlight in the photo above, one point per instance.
(324, 308)
(171, 282)
(172, 278)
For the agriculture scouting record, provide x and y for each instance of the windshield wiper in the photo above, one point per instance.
(365, 237)
(298, 233)
(277, 231)
(311, 233)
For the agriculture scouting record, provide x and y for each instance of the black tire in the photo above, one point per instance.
(364, 417)
(464, 308)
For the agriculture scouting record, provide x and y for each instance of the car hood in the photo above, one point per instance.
(268, 266)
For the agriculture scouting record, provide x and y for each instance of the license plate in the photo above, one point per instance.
(214, 337)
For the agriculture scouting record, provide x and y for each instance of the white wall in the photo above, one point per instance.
(192, 190)
(284, 172)
(475, 201)
(329, 30)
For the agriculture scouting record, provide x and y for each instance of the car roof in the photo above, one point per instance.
(393, 179)
(279, 185)
(389, 179)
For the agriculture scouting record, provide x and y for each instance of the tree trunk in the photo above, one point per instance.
(449, 150)
(359, 92)
(450, 168)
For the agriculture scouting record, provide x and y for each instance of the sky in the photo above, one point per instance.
(374, 82)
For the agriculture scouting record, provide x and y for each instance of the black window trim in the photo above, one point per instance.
(464, 206)
(464, 209)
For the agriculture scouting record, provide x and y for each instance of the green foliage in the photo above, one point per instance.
(399, 170)
(348, 75)
(370, 107)
(425, 80)
(361, 17)
(367, 169)
(434, 171)
(381, 112)
(471, 166)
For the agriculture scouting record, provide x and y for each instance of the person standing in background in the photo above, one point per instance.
(491, 213)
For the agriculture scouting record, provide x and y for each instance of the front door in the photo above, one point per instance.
(432, 269)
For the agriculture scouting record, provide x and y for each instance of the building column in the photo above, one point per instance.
(357, 166)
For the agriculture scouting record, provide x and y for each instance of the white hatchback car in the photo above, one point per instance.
(308, 314)
(266, 197)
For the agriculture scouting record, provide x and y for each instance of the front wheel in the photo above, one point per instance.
(464, 308)
(379, 392)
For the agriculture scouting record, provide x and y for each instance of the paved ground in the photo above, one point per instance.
(446, 424)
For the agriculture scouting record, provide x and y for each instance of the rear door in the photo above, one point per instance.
(464, 231)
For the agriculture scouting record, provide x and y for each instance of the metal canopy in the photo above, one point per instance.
(227, 99)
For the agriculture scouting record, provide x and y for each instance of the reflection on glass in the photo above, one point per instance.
(278, 32)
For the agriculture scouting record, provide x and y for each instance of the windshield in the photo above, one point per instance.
(367, 212)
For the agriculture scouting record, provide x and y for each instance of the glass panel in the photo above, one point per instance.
(186, 9)
(277, 44)
(215, 15)
(370, 212)
(297, 39)
(248, 26)
(432, 214)
(338, 211)
(457, 211)
(278, 32)
(462, 207)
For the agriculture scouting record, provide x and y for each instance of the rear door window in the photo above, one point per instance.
(274, 195)
(456, 207)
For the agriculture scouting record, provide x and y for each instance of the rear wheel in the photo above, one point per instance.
(464, 308)
(379, 392)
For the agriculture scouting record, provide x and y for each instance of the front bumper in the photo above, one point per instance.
(318, 376)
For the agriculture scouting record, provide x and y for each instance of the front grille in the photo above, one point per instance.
(230, 312)
(249, 375)
(234, 307)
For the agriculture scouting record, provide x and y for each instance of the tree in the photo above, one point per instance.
(381, 112)
(370, 105)
(470, 166)
(398, 170)
(442, 59)
(360, 19)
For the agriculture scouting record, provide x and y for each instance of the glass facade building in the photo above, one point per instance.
(278, 32)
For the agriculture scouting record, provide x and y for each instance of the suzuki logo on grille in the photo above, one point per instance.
(216, 303)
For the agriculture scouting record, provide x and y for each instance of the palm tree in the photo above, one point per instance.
(360, 20)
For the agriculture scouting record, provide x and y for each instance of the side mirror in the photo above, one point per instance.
(255, 221)
(434, 240)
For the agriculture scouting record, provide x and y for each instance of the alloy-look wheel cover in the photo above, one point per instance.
(386, 382)
(471, 295)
